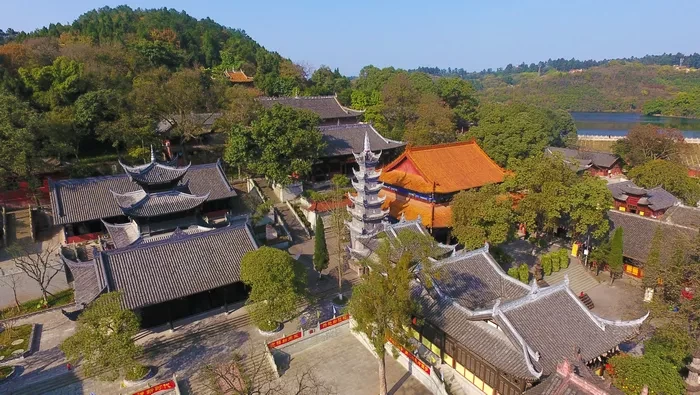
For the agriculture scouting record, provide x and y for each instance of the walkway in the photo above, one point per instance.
(580, 280)
(290, 221)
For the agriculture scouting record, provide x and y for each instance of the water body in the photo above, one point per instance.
(617, 124)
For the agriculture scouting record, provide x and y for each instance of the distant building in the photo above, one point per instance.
(238, 77)
(645, 202)
(422, 181)
(328, 108)
(601, 164)
(575, 71)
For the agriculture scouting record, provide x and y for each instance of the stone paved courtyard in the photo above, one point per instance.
(352, 370)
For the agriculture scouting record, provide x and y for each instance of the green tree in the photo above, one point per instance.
(631, 374)
(673, 177)
(103, 340)
(590, 199)
(652, 266)
(382, 306)
(646, 142)
(277, 283)
(57, 84)
(399, 101)
(19, 146)
(320, 247)
(282, 142)
(524, 273)
(482, 215)
(670, 344)
(615, 259)
(433, 123)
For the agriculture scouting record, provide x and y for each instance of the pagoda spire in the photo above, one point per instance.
(153, 154)
(366, 211)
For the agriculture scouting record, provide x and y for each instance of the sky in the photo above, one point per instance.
(407, 34)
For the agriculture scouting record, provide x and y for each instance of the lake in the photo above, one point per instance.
(617, 124)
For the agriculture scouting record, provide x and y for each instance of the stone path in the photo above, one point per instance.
(579, 278)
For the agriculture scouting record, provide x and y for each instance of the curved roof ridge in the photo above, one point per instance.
(274, 98)
(634, 322)
(528, 352)
(347, 109)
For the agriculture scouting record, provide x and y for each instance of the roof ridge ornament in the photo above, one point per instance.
(366, 144)
(153, 154)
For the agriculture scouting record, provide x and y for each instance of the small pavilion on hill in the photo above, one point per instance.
(423, 180)
(328, 108)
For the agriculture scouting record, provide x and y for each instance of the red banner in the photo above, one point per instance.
(334, 321)
(168, 385)
(411, 357)
(284, 340)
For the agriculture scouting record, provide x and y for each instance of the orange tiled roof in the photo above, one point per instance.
(450, 167)
(439, 216)
(323, 206)
(238, 76)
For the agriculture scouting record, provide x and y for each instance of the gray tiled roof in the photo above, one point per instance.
(206, 119)
(181, 265)
(555, 323)
(556, 384)
(86, 199)
(123, 234)
(584, 159)
(326, 107)
(155, 173)
(142, 204)
(639, 231)
(88, 281)
(482, 339)
(656, 198)
(475, 281)
(683, 215)
(347, 139)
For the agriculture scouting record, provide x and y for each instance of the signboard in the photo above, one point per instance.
(168, 385)
(334, 321)
(424, 367)
(284, 340)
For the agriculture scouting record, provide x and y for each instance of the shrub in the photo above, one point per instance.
(514, 272)
(524, 273)
(136, 373)
(556, 265)
(547, 265)
(564, 258)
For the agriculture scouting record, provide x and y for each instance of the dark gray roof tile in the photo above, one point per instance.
(155, 173)
(586, 158)
(142, 204)
(656, 198)
(347, 139)
(326, 107)
(684, 216)
(78, 200)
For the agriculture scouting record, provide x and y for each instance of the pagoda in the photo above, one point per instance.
(366, 211)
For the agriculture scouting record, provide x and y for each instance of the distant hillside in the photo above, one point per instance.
(616, 86)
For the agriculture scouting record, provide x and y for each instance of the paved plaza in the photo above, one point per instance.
(351, 369)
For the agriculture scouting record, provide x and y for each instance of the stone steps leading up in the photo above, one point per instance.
(579, 278)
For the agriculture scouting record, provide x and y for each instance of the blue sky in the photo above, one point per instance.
(407, 34)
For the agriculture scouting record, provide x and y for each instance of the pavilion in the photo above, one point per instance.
(328, 108)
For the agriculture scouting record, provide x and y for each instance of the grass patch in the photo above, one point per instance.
(12, 334)
(137, 373)
(59, 299)
(5, 371)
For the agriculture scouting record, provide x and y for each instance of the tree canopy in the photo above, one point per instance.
(482, 215)
(281, 143)
(277, 283)
(671, 176)
(646, 142)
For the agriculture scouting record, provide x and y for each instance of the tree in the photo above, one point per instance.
(382, 306)
(103, 340)
(482, 215)
(433, 123)
(516, 131)
(524, 273)
(615, 259)
(673, 177)
(590, 199)
(282, 142)
(13, 281)
(631, 374)
(278, 283)
(399, 101)
(320, 247)
(671, 345)
(40, 266)
(19, 145)
(647, 142)
(338, 215)
(652, 266)
(253, 376)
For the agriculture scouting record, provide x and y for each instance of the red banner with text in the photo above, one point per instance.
(284, 340)
(334, 321)
(411, 357)
(168, 385)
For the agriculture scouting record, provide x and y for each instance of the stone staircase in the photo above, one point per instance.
(455, 384)
(20, 227)
(580, 280)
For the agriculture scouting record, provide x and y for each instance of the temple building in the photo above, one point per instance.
(328, 108)
(679, 224)
(423, 180)
(488, 332)
(158, 196)
(645, 202)
(238, 77)
(344, 140)
(601, 164)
